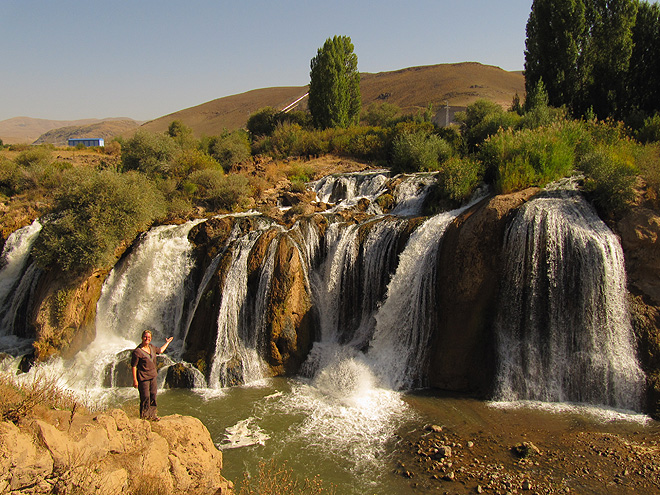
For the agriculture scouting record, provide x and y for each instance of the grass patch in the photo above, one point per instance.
(274, 479)
(23, 399)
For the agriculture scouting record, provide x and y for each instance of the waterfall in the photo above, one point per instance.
(563, 328)
(407, 316)
(239, 329)
(18, 278)
(410, 193)
(347, 189)
(352, 280)
(148, 288)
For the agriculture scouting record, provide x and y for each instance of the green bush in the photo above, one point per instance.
(648, 164)
(419, 152)
(219, 191)
(458, 178)
(230, 149)
(482, 119)
(650, 130)
(148, 153)
(302, 172)
(263, 122)
(530, 157)
(381, 114)
(610, 175)
(94, 214)
(35, 156)
(187, 160)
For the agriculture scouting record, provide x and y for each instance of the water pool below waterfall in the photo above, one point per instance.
(357, 446)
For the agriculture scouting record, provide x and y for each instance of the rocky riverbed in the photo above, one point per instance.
(568, 452)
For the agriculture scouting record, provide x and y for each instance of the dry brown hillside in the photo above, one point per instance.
(27, 129)
(106, 130)
(411, 89)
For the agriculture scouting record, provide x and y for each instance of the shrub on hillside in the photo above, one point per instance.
(188, 160)
(482, 119)
(148, 153)
(36, 156)
(518, 160)
(368, 143)
(94, 214)
(610, 175)
(458, 178)
(263, 122)
(648, 164)
(650, 130)
(230, 149)
(419, 152)
(219, 190)
(380, 114)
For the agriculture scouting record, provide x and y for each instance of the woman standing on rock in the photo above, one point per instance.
(143, 364)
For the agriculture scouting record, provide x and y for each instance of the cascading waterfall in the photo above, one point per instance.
(352, 281)
(18, 278)
(346, 189)
(149, 288)
(406, 318)
(563, 327)
(240, 327)
(410, 193)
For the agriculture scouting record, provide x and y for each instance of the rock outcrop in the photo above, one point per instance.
(64, 312)
(109, 454)
(639, 231)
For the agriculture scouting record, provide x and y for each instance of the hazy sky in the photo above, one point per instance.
(70, 59)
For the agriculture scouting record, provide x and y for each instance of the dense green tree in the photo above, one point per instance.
(263, 121)
(556, 32)
(148, 153)
(581, 49)
(607, 55)
(334, 87)
(643, 85)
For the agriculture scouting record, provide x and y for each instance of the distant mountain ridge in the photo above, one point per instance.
(412, 89)
(105, 130)
(28, 129)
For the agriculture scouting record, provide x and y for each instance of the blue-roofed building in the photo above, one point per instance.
(86, 142)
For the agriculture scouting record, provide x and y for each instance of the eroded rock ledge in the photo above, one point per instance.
(109, 453)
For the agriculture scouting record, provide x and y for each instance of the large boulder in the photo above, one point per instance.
(462, 349)
(109, 453)
(639, 231)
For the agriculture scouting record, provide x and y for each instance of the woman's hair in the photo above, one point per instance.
(147, 332)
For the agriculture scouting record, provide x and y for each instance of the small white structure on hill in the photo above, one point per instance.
(86, 142)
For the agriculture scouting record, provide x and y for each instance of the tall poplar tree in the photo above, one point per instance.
(581, 49)
(643, 88)
(607, 56)
(556, 33)
(334, 87)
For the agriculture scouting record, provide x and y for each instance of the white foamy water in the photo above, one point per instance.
(345, 412)
(563, 327)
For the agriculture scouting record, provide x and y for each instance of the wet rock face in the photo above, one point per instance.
(290, 318)
(462, 352)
